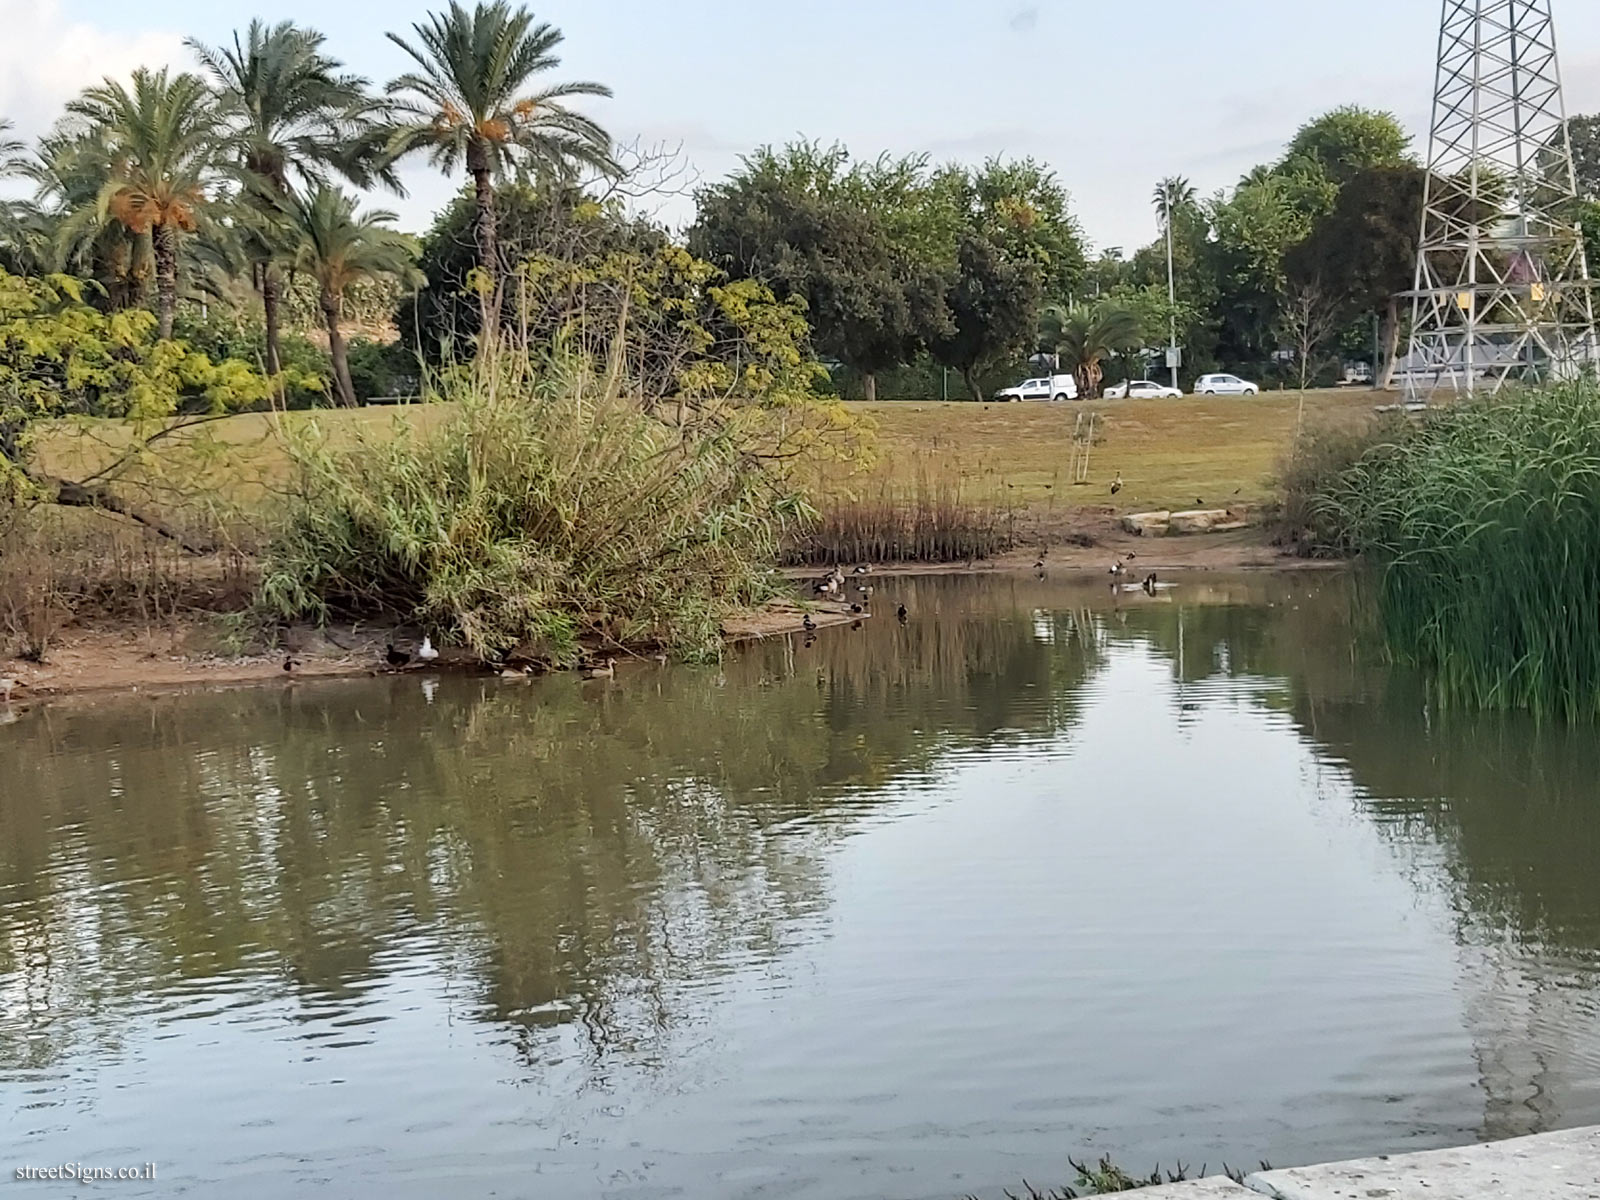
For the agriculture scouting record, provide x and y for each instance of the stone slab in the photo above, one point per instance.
(1150, 524)
(1549, 1166)
(1200, 520)
(1219, 1187)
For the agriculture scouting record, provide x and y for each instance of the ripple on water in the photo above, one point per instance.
(913, 911)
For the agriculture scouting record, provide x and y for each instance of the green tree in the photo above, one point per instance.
(477, 100)
(60, 357)
(289, 114)
(1364, 252)
(553, 221)
(337, 245)
(1584, 133)
(993, 303)
(1021, 207)
(1351, 139)
(1084, 336)
(1271, 211)
(158, 144)
(859, 245)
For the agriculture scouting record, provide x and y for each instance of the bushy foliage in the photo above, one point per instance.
(222, 334)
(61, 357)
(1484, 530)
(542, 514)
(550, 223)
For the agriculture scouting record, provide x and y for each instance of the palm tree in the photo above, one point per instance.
(159, 144)
(12, 149)
(1172, 193)
(336, 246)
(64, 228)
(474, 100)
(12, 162)
(290, 116)
(1084, 337)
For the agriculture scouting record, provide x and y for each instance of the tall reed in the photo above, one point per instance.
(933, 521)
(1485, 530)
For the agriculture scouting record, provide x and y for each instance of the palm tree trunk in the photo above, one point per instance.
(270, 298)
(337, 351)
(165, 241)
(488, 245)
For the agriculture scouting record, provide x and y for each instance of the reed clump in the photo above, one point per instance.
(1484, 529)
(932, 521)
(547, 514)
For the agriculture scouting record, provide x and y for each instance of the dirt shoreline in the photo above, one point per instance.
(97, 657)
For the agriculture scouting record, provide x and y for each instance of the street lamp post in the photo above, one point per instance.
(1172, 289)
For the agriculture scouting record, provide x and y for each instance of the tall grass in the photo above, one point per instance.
(549, 513)
(1484, 528)
(932, 521)
(60, 567)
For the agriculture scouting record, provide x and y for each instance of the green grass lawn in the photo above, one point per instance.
(1220, 450)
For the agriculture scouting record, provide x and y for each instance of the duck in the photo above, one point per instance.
(7, 686)
(1118, 570)
(857, 609)
(1116, 484)
(863, 569)
(427, 653)
(289, 664)
(395, 658)
(901, 614)
(808, 624)
(607, 671)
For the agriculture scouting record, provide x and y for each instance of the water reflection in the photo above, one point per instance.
(909, 910)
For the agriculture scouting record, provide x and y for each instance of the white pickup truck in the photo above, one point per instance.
(1046, 387)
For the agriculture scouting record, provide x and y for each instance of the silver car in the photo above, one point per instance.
(1142, 389)
(1225, 385)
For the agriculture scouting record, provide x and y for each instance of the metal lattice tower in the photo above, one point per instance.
(1502, 288)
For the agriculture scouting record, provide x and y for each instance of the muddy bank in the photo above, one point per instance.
(95, 656)
(108, 656)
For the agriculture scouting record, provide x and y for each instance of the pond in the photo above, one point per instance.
(908, 912)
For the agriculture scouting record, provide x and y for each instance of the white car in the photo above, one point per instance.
(1142, 389)
(1225, 385)
(1048, 387)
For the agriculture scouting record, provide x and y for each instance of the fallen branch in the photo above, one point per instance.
(69, 494)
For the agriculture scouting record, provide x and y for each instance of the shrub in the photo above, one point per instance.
(1484, 527)
(381, 369)
(544, 512)
(1320, 457)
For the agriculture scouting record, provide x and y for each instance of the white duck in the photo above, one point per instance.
(426, 653)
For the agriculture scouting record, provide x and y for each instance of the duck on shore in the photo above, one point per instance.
(426, 653)
(395, 658)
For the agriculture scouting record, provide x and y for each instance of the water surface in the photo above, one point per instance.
(906, 912)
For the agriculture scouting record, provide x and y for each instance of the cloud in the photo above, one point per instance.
(46, 58)
(1025, 20)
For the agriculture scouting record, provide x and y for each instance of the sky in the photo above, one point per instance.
(1112, 97)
